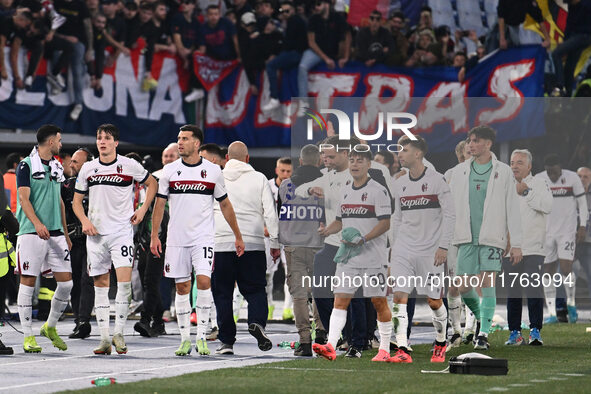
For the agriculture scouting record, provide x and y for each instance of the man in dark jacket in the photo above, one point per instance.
(83, 287)
(374, 42)
(577, 37)
(298, 233)
(294, 44)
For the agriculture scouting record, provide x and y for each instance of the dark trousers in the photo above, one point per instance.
(248, 271)
(52, 48)
(529, 266)
(324, 266)
(584, 254)
(357, 318)
(283, 61)
(83, 286)
(572, 47)
(152, 276)
(410, 310)
(371, 317)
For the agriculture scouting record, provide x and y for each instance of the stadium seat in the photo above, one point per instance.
(441, 18)
(441, 5)
(490, 12)
(490, 6)
(470, 16)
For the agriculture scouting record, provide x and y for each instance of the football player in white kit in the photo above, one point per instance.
(562, 232)
(424, 217)
(365, 209)
(109, 180)
(190, 184)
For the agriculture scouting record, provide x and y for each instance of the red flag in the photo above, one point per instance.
(359, 10)
(210, 71)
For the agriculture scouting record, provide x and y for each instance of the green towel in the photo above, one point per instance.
(345, 252)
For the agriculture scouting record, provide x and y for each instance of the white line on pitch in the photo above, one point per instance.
(94, 355)
(184, 365)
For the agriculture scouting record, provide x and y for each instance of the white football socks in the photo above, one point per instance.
(59, 301)
(122, 306)
(439, 317)
(402, 316)
(101, 309)
(338, 319)
(203, 308)
(24, 302)
(183, 315)
(385, 330)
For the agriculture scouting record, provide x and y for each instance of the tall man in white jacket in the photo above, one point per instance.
(251, 197)
(486, 206)
(535, 203)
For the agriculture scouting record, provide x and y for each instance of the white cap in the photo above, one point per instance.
(248, 18)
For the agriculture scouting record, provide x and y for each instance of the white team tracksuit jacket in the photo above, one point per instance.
(501, 207)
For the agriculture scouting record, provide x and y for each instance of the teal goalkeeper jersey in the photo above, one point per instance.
(45, 198)
(479, 176)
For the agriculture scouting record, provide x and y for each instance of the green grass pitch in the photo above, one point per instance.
(563, 364)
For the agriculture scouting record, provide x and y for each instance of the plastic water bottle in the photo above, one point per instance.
(288, 345)
(103, 381)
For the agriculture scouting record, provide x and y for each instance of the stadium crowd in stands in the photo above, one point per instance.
(87, 35)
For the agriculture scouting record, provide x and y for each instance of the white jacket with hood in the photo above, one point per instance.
(501, 207)
(252, 199)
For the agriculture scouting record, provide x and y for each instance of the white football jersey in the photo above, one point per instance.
(563, 217)
(190, 190)
(424, 213)
(362, 208)
(110, 192)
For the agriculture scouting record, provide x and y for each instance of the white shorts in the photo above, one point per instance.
(37, 256)
(102, 250)
(372, 280)
(409, 272)
(560, 246)
(180, 261)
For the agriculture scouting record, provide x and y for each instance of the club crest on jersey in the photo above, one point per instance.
(424, 187)
(167, 267)
(364, 197)
(119, 169)
(203, 174)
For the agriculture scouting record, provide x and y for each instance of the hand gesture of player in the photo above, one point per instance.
(138, 216)
(239, 244)
(516, 255)
(316, 191)
(440, 256)
(88, 228)
(275, 253)
(155, 246)
(42, 231)
(521, 187)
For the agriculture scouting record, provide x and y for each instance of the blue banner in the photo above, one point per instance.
(234, 113)
(501, 82)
